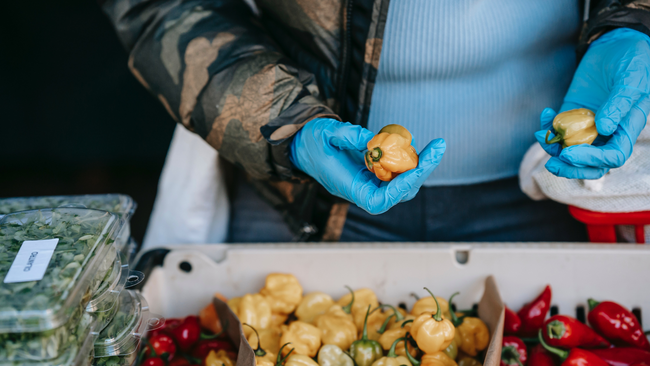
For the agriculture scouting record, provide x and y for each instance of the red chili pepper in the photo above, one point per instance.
(617, 324)
(625, 356)
(567, 332)
(513, 352)
(179, 361)
(512, 322)
(161, 345)
(153, 361)
(532, 315)
(203, 347)
(639, 364)
(574, 357)
(539, 356)
(187, 333)
(167, 327)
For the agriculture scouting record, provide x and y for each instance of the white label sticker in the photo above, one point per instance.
(31, 261)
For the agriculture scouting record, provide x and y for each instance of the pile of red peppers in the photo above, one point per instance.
(183, 342)
(615, 337)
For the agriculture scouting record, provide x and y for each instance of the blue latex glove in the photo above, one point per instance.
(613, 79)
(332, 153)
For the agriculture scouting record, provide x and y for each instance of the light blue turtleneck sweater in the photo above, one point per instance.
(477, 73)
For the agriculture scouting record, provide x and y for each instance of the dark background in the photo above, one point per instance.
(74, 120)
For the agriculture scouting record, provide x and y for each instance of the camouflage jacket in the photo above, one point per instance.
(246, 80)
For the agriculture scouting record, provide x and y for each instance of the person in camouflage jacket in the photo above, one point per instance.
(246, 80)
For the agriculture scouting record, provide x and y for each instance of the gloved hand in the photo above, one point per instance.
(613, 79)
(332, 153)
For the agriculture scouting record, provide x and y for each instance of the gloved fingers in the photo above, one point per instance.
(546, 118)
(347, 136)
(616, 108)
(551, 149)
(388, 195)
(562, 169)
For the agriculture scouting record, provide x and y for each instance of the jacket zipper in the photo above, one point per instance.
(345, 58)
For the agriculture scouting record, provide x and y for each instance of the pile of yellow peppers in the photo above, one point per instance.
(286, 328)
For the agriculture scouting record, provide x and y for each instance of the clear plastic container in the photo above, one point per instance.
(70, 345)
(75, 268)
(120, 204)
(133, 319)
(117, 278)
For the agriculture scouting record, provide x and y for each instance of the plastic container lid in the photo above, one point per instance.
(84, 238)
(133, 319)
(70, 345)
(117, 278)
(120, 204)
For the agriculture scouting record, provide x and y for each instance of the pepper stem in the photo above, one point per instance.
(259, 352)
(415, 296)
(454, 319)
(365, 326)
(398, 315)
(391, 351)
(348, 308)
(376, 154)
(555, 139)
(510, 355)
(406, 322)
(280, 360)
(412, 359)
(368, 159)
(555, 329)
(385, 325)
(438, 315)
(592, 304)
(561, 353)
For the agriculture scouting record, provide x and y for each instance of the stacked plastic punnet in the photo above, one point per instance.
(63, 278)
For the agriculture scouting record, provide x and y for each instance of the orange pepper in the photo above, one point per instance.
(390, 153)
(208, 316)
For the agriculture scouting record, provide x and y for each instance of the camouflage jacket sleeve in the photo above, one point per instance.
(605, 15)
(215, 70)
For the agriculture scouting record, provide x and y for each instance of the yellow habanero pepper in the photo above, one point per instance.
(574, 127)
(437, 359)
(233, 304)
(305, 338)
(429, 305)
(468, 361)
(390, 153)
(218, 358)
(300, 360)
(262, 357)
(254, 310)
(313, 305)
(392, 359)
(278, 319)
(432, 332)
(269, 337)
(356, 303)
(391, 335)
(283, 292)
(337, 327)
(474, 335)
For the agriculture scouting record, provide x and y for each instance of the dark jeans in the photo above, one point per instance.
(493, 211)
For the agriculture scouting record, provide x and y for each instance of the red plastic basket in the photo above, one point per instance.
(601, 225)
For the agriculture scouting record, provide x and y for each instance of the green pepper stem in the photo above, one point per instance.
(365, 326)
(348, 308)
(555, 139)
(438, 315)
(280, 360)
(153, 351)
(415, 296)
(510, 354)
(398, 315)
(406, 322)
(561, 353)
(454, 319)
(592, 304)
(412, 359)
(385, 325)
(555, 329)
(376, 154)
(368, 159)
(391, 351)
(259, 352)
